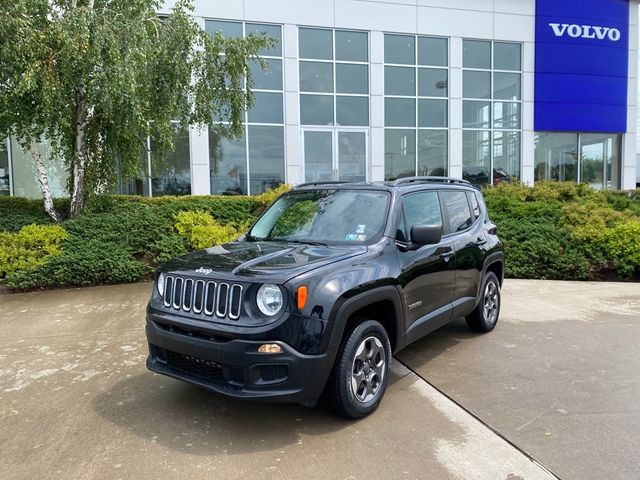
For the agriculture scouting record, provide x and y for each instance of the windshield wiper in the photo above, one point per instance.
(295, 240)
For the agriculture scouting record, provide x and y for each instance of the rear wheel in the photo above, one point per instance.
(485, 316)
(361, 371)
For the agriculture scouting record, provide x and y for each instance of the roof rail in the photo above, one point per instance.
(402, 181)
(329, 182)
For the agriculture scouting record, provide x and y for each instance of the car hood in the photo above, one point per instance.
(275, 261)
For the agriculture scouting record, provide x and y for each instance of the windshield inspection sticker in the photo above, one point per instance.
(361, 228)
(354, 237)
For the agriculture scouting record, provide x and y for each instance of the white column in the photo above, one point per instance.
(630, 169)
(527, 165)
(292, 154)
(455, 107)
(376, 104)
(199, 152)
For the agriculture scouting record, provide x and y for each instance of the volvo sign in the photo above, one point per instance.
(581, 65)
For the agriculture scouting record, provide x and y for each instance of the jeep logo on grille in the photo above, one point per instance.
(206, 271)
(585, 31)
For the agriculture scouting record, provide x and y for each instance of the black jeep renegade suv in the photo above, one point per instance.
(329, 282)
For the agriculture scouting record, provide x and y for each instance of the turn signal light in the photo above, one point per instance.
(301, 297)
(270, 348)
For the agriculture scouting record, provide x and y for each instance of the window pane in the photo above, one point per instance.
(476, 84)
(316, 77)
(399, 153)
(507, 115)
(352, 46)
(506, 86)
(432, 152)
(25, 183)
(432, 113)
(352, 154)
(399, 81)
(316, 110)
(556, 156)
(400, 49)
(171, 175)
(267, 80)
(476, 54)
(352, 78)
(476, 114)
(266, 158)
(318, 156)
(267, 108)
(506, 56)
(432, 82)
(476, 156)
(506, 157)
(475, 206)
(227, 29)
(600, 159)
(433, 51)
(422, 209)
(399, 112)
(272, 31)
(352, 111)
(227, 165)
(457, 207)
(4, 169)
(315, 43)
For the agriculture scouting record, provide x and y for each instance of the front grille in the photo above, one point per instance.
(197, 367)
(197, 296)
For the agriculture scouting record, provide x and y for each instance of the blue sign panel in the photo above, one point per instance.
(581, 65)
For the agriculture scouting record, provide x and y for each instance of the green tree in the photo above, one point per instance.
(96, 77)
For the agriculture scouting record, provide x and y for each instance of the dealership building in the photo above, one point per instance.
(368, 90)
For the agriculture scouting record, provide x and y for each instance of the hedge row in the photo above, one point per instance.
(552, 231)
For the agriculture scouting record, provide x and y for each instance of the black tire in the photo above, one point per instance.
(485, 316)
(373, 339)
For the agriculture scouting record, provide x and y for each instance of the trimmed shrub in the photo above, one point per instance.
(31, 246)
(622, 247)
(200, 230)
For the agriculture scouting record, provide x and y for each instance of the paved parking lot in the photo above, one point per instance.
(558, 379)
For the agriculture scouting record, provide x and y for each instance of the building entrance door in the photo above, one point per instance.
(331, 154)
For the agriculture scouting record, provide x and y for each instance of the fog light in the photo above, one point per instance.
(270, 348)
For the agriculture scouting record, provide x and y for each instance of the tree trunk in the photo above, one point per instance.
(80, 158)
(43, 181)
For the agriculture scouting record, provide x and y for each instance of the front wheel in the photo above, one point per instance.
(361, 371)
(485, 316)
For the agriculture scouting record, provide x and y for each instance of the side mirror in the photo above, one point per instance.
(426, 234)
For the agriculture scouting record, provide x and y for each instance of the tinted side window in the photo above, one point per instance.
(475, 206)
(458, 208)
(422, 208)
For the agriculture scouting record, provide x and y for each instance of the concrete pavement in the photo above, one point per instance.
(77, 402)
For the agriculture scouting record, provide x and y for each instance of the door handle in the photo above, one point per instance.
(480, 241)
(446, 255)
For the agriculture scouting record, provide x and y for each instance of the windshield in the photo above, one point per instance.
(324, 216)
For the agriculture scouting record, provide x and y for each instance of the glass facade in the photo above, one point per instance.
(255, 162)
(416, 105)
(5, 170)
(592, 158)
(24, 178)
(171, 175)
(491, 111)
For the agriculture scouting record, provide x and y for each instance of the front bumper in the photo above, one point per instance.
(234, 367)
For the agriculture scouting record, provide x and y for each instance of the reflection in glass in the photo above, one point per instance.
(507, 56)
(476, 157)
(227, 165)
(352, 111)
(556, 156)
(432, 113)
(266, 158)
(600, 160)
(400, 49)
(352, 154)
(318, 156)
(476, 54)
(316, 77)
(315, 43)
(267, 108)
(316, 109)
(476, 114)
(399, 153)
(267, 80)
(226, 29)
(506, 86)
(5, 188)
(400, 81)
(507, 115)
(476, 84)
(506, 157)
(400, 112)
(433, 51)
(352, 78)
(272, 31)
(432, 153)
(171, 175)
(352, 46)
(432, 82)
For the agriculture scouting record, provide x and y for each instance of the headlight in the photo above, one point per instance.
(161, 284)
(269, 299)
